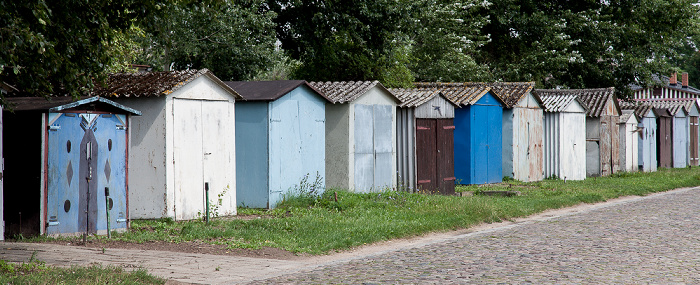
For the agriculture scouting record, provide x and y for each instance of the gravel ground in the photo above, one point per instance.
(653, 240)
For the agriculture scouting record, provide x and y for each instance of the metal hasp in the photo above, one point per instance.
(108, 207)
(206, 197)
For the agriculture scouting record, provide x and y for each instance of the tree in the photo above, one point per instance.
(344, 39)
(59, 47)
(233, 39)
(444, 36)
(586, 44)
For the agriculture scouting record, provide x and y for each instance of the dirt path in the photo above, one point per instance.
(202, 268)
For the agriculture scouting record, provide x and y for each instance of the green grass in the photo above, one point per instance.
(35, 272)
(319, 225)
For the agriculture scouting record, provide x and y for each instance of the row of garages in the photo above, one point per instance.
(153, 145)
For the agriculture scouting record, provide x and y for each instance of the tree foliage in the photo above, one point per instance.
(586, 44)
(61, 47)
(345, 40)
(444, 36)
(234, 39)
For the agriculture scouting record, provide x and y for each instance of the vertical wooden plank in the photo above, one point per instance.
(188, 157)
(664, 142)
(426, 155)
(680, 143)
(494, 148)
(2, 170)
(445, 156)
(693, 141)
(614, 144)
(535, 151)
(605, 145)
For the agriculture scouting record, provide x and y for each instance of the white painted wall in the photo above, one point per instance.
(153, 179)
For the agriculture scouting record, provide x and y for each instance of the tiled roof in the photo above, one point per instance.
(673, 105)
(554, 100)
(345, 91)
(152, 84)
(267, 90)
(512, 92)
(665, 82)
(414, 97)
(641, 108)
(461, 94)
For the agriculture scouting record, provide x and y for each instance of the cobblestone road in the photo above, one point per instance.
(654, 240)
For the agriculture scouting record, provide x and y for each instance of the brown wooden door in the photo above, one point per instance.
(605, 146)
(426, 155)
(664, 136)
(435, 155)
(445, 156)
(693, 141)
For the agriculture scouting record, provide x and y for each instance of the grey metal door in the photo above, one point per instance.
(373, 147)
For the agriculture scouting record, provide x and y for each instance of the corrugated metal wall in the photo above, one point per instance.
(405, 149)
(564, 145)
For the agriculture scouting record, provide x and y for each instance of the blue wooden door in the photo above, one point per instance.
(110, 134)
(86, 155)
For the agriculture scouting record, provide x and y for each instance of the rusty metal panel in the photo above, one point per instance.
(693, 159)
(426, 154)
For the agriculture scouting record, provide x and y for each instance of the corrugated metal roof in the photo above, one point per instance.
(346, 91)
(153, 84)
(673, 105)
(640, 108)
(268, 90)
(414, 97)
(64, 103)
(512, 92)
(461, 94)
(554, 100)
(593, 99)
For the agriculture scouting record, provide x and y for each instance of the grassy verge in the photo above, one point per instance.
(320, 224)
(37, 273)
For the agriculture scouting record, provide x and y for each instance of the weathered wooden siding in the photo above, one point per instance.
(406, 149)
(693, 141)
(436, 108)
(523, 135)
(564, 144)
(478, 142)
(593, 152)
(629, 144)
(680, 140)
(647, 144)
